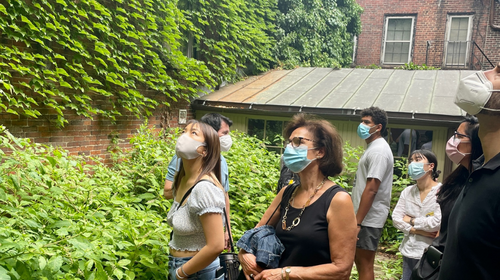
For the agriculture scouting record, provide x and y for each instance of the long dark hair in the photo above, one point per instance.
(452, 185)
(210, 161)
(431, 158)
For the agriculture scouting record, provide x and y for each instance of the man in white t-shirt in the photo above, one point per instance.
(371, 194)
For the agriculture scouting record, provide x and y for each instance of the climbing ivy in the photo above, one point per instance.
(231, 34)
(316, 32)
(65, 55)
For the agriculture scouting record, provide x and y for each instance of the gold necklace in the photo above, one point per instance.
(296, 221)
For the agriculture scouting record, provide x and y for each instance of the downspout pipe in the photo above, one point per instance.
(492, 17)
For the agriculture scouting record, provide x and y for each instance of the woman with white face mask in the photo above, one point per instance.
(417, 213)
(197, 210)
(315, 220)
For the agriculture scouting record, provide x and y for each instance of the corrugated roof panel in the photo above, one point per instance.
(240, 95)
(367, 93)
(425, 75)
(444, 105)
(398, 83)
(274, 90)
(418, 97)
(229, 89)
(343, 92)
(322, 88)
(390, 102)
(382, 74)
(447, 83)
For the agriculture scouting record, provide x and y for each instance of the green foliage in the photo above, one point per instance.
(230, 34)
(71, 53)
(316, 33)
(371, 66)
(350, 159)
(62, 218)
(254, 174)
(413, 66)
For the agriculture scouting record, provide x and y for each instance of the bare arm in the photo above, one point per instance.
(367, 198)
(214, 235)
(342, 236)
(167, 190)
(399, 219)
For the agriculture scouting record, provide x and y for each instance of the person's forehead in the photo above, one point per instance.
(461, 128)
(301, 132)
(367, 118)
(224, 128)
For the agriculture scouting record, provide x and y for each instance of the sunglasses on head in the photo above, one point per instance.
(296, 141)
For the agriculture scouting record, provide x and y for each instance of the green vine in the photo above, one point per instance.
(94, 57)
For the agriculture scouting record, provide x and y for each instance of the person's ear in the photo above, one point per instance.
(321, 153)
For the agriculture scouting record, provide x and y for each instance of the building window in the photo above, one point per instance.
(458, 40)
(271, 132)
(398, 40)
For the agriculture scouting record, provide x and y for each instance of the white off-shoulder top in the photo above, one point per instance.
(185, 220)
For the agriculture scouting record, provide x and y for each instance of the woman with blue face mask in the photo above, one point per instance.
(417, 213)
(315, 220)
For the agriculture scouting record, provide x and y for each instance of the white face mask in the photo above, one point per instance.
(473, 93)
(225, 142)
(187, 147)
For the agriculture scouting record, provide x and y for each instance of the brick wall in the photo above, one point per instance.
(430, 26)
(90, 137)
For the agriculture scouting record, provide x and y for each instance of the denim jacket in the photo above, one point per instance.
(264, 244)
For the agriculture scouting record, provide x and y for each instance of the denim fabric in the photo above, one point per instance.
(264, 244)
(408, 265)
(208, 273)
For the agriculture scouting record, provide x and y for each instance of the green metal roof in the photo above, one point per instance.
(426, 94)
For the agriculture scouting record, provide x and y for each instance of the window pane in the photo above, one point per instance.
(256, 128)
(399, 29)
(397, 52)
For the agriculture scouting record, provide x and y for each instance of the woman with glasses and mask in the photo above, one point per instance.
(196, 214)
(315, 220)
(417, 214)
(462, 148)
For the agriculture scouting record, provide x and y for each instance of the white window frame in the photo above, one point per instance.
(469, 36)
(386, 25)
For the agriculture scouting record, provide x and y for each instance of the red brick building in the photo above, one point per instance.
(450, 34)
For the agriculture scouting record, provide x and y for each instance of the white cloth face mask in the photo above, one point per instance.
(225, 142)
(473, 93)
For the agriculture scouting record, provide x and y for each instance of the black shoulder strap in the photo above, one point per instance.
(189, 192)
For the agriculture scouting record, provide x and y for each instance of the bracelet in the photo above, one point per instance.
(412, 221)
(177, 274)
(359, 225)
(183, 272)
(282, 273)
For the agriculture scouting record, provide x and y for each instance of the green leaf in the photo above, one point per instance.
(4, 11)
(55, 263)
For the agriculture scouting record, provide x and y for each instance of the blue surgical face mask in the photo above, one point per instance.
(364, 131)
(416, 170)
(295, 158)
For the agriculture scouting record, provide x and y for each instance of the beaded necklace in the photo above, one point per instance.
(296, 221)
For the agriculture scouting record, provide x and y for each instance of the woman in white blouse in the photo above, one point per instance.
(417, 213)
(196, 214)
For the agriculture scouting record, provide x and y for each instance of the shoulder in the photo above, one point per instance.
(223, 160)
(340, 200)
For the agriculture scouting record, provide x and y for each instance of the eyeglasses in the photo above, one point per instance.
(457, 135)
(296, 141)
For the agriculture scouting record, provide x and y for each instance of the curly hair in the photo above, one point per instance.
(379, 116)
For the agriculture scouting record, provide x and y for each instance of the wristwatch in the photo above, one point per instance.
(412, 221)
(287, 272)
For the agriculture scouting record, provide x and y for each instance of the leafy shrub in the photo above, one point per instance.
(65, 219)
(413, 66)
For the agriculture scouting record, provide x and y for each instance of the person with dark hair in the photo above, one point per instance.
(417, 214)
(315, 220)
(473, 243)
(462, 148)
(371, 194)
(196, 213)
(221, 125)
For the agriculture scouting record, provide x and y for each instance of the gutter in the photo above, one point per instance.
(350, 114)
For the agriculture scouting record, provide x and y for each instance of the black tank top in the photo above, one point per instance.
(306, 244)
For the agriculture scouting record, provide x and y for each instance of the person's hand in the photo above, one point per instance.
(407, 219)
(270, 274)
(424, 233)
(227, 243)
(249, 264)
(358, 229)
